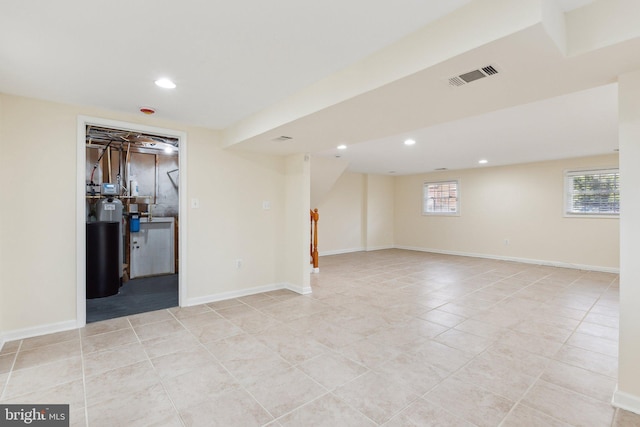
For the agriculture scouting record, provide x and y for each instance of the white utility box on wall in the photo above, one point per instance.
(152, 248)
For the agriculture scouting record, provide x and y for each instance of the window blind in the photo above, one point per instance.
(593, 192)
(440, 197)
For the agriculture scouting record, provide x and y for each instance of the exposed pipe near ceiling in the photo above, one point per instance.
(127, 170)
(109, 162)
(175, 184)
(95, 166)
(119, 176)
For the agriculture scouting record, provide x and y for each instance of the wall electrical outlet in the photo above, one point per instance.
(238, 263)
(506, 242)
(266, 205)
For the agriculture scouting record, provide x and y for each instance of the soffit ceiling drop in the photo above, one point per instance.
(257, 54)
(229, 59)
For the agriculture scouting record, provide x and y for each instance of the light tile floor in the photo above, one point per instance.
(394, 338)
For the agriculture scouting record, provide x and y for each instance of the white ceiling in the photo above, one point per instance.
(233, 59)
(578, 124)
(229, 58)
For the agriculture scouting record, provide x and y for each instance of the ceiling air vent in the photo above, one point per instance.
(489, 70)
(282, 138)
(480, 73)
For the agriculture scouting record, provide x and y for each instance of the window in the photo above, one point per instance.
(592, 192)
(440, 198)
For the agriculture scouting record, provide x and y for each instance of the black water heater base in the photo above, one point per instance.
(103, 277)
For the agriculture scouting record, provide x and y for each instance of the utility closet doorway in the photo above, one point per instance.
(132, 221)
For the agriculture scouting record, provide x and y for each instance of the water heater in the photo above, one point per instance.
(110, 210)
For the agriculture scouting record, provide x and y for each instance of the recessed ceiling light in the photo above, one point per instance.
(342, 147)
(165, 83)
(483, 161)
(409, 142)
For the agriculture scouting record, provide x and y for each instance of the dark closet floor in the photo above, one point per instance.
(136, 296)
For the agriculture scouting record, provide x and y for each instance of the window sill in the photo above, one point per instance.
(440, 214)
(572, 215)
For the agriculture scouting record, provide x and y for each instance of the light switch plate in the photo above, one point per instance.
(195, 203)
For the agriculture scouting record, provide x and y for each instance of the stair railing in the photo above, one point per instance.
(313, 247)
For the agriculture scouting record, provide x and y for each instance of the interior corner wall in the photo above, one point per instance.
(357, 214)
(510, 212)
(340, 227)
(38, 244)
(380, 212)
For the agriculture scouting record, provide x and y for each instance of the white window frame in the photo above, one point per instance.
(568, 188)
(426, 184)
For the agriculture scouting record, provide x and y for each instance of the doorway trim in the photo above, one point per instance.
(81, 250)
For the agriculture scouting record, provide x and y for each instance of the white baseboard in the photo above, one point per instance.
(246, 292)
(302, 290)
(626, 401)
(379, 248)
(35, 331)
(516, 259)
(341, 251)
(232, 294)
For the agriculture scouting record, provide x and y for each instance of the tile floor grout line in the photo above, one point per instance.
(328, 393)
(582, 367)
(164, 388)
(537, 378)
(451, 375)
(519, 401)
(573, 391)
(84, 382)
(160, 380)
(236, 380)
(13, 364)
(572, 290)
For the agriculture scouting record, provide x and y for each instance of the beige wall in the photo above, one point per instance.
(357, 214)
(231, 223)
(380, 212)
(38, 145)
(38, 172)
(522, 203)
(325, 172)
(340, 228)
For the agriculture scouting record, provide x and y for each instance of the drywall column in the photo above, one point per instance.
(296, 234)
(627, 395)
